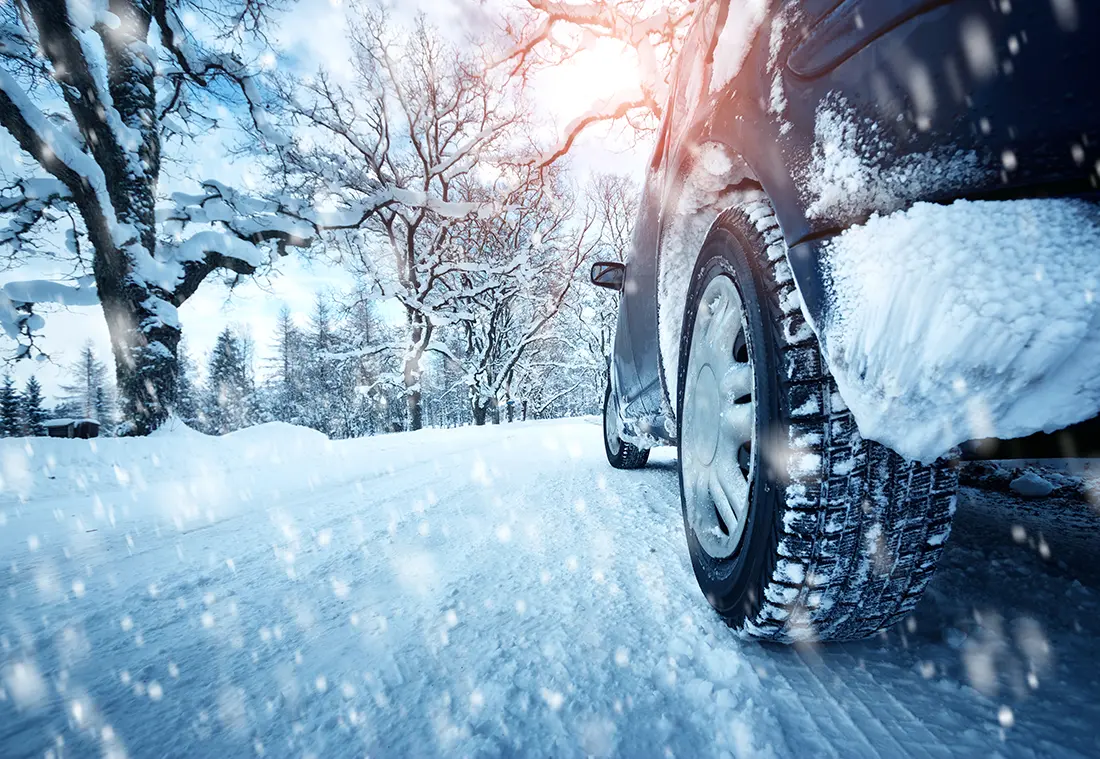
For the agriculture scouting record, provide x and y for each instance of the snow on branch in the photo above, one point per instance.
(608, 110)
(200, 65)
(17, 301)
(55, 151)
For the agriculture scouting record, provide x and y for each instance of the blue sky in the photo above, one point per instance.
(312, 34)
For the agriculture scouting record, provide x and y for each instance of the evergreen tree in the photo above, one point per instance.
(187, 391)
(10, 425)
(32, 412)
(321, 381)
(229, 397)
(285, 392)
(89, 392)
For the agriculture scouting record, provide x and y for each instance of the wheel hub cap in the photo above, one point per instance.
(719, 421)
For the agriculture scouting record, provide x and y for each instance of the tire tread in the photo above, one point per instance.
(864, 528)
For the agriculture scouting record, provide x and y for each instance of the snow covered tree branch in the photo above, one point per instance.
(552, 32)
(390, 159)
(90, 91)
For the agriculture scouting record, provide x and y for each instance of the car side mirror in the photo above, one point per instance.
(609, 274)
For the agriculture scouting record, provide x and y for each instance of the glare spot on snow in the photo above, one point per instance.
(1044, 548)
(1006, 717)
(207, 619)
(324, 538)
(571, 563)
(77, 710)
(1066, 13)
(231, 709)
(339, 588)
(552, 698)
(126, 623)
(598, 737)
(451, 617)
(33, 543)
(321, 684)
(504, 533)
(580, 506)
(156, 692)
(927, 670)
(416, 571)
(544, 577)
(622, 656)
(1019, 534)
(173, 670)
(25, 685)
(477, 700)
(480, 473)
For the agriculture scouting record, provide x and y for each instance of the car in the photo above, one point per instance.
(789, 124)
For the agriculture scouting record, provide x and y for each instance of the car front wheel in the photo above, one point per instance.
(798, 528)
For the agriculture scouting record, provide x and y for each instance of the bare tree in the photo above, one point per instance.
(387, 157)
(529, 256)
(590, 317)
(92, 93)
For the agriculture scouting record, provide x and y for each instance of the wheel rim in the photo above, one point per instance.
(610, 426)
(718, 424)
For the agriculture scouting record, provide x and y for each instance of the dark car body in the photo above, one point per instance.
(1009, 85)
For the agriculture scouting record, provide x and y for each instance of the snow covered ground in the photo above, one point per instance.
(494, 591)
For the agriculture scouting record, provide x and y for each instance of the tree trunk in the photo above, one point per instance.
(146, 364)
(414, 411)
(479, 410)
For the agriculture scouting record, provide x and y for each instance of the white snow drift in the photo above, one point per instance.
(978, 319)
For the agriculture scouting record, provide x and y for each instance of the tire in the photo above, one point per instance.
(839, 535)
(620, 454)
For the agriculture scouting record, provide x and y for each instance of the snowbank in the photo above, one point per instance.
(978, 319)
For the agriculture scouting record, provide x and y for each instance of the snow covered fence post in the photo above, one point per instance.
(108, 66)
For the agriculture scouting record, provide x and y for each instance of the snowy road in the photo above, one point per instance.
(493, 591)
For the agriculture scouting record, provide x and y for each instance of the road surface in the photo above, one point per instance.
(488, 592)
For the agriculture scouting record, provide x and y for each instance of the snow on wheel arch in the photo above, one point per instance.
(978, 319)
(712, 182)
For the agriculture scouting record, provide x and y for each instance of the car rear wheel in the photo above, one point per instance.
(620, 454)
(798, 528)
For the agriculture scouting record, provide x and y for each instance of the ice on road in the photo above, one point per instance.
(490, 591)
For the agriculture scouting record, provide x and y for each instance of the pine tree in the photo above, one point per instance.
(89, 391)
(10, 425)
(187, 391)
(321, 381)
(286, 396)
(229, 396)
(32, 412)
